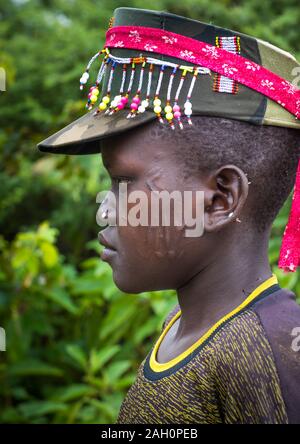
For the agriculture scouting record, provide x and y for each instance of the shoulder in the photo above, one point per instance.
(245, 373)
(239, 339)
(265, 326)
(279, 315)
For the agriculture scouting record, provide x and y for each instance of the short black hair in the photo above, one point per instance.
(267, 154)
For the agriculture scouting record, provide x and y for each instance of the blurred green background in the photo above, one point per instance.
(74, 341)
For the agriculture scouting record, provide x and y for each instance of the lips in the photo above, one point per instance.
(104, 242)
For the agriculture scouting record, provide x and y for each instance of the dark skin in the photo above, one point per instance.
(213, 273)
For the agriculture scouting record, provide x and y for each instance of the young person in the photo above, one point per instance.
(228, 350)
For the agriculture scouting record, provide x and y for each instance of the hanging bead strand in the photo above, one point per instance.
(188, 105)
(168, 108)
(85, 76)
(94, 90)
(118, 97)
(176, 107)
(136, 99)
(157, 102)
(106, 99)
(145, 103)
(124, 100)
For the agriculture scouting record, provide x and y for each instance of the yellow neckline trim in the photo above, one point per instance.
(158, 367)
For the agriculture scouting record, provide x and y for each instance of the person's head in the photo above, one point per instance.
(245, 171)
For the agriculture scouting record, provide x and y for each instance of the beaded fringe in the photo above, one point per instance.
(172, 110)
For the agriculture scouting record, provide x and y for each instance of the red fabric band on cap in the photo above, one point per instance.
(217, 59)
(289, 258)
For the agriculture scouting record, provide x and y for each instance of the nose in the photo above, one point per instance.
(106, 213)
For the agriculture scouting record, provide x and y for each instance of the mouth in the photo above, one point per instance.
(109, 250)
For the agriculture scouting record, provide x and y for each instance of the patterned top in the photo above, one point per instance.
(243, 370)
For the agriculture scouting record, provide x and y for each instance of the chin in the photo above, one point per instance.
(130, 284)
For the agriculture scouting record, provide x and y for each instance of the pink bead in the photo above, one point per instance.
(136, 100)
(176, 108)
(134, 106)
(124, 100)
(177, 114)
(89, 95)
(121, 105)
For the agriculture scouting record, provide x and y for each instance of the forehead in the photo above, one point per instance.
(133, 147)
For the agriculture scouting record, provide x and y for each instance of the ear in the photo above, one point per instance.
(224, 197)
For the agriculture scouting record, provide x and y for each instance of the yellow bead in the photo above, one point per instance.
(106, 99)
(156, 102)
(93, 98)
(168, 109)
(169, 116)
(157, 109)
(102, 106)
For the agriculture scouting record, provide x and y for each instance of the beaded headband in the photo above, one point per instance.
(137, 105)
(225, 62)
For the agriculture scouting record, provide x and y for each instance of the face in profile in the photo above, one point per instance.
(145, 258)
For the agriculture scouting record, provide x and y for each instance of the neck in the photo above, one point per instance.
(223, 284)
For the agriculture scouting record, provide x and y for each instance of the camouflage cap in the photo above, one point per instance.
(214, 94)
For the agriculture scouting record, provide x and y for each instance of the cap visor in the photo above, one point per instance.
(83, 135)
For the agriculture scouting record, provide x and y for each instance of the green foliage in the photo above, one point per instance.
(74, 341)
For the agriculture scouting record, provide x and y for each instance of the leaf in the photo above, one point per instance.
(72, 392)
(61, 297)
(87, 285)
(38, 408)
(34, 367)
(76, 352)
(50, 255)
(116, 369)
(99, 358)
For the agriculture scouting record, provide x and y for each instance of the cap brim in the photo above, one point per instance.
(83, 135)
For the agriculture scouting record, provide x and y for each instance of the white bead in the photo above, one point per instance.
(145, 103)
(141, 109)
(117, 98)
(187, 112)
(85, 77)
(114, 103)
(187, 105)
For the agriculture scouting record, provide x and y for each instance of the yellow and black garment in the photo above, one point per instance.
(245, 369)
